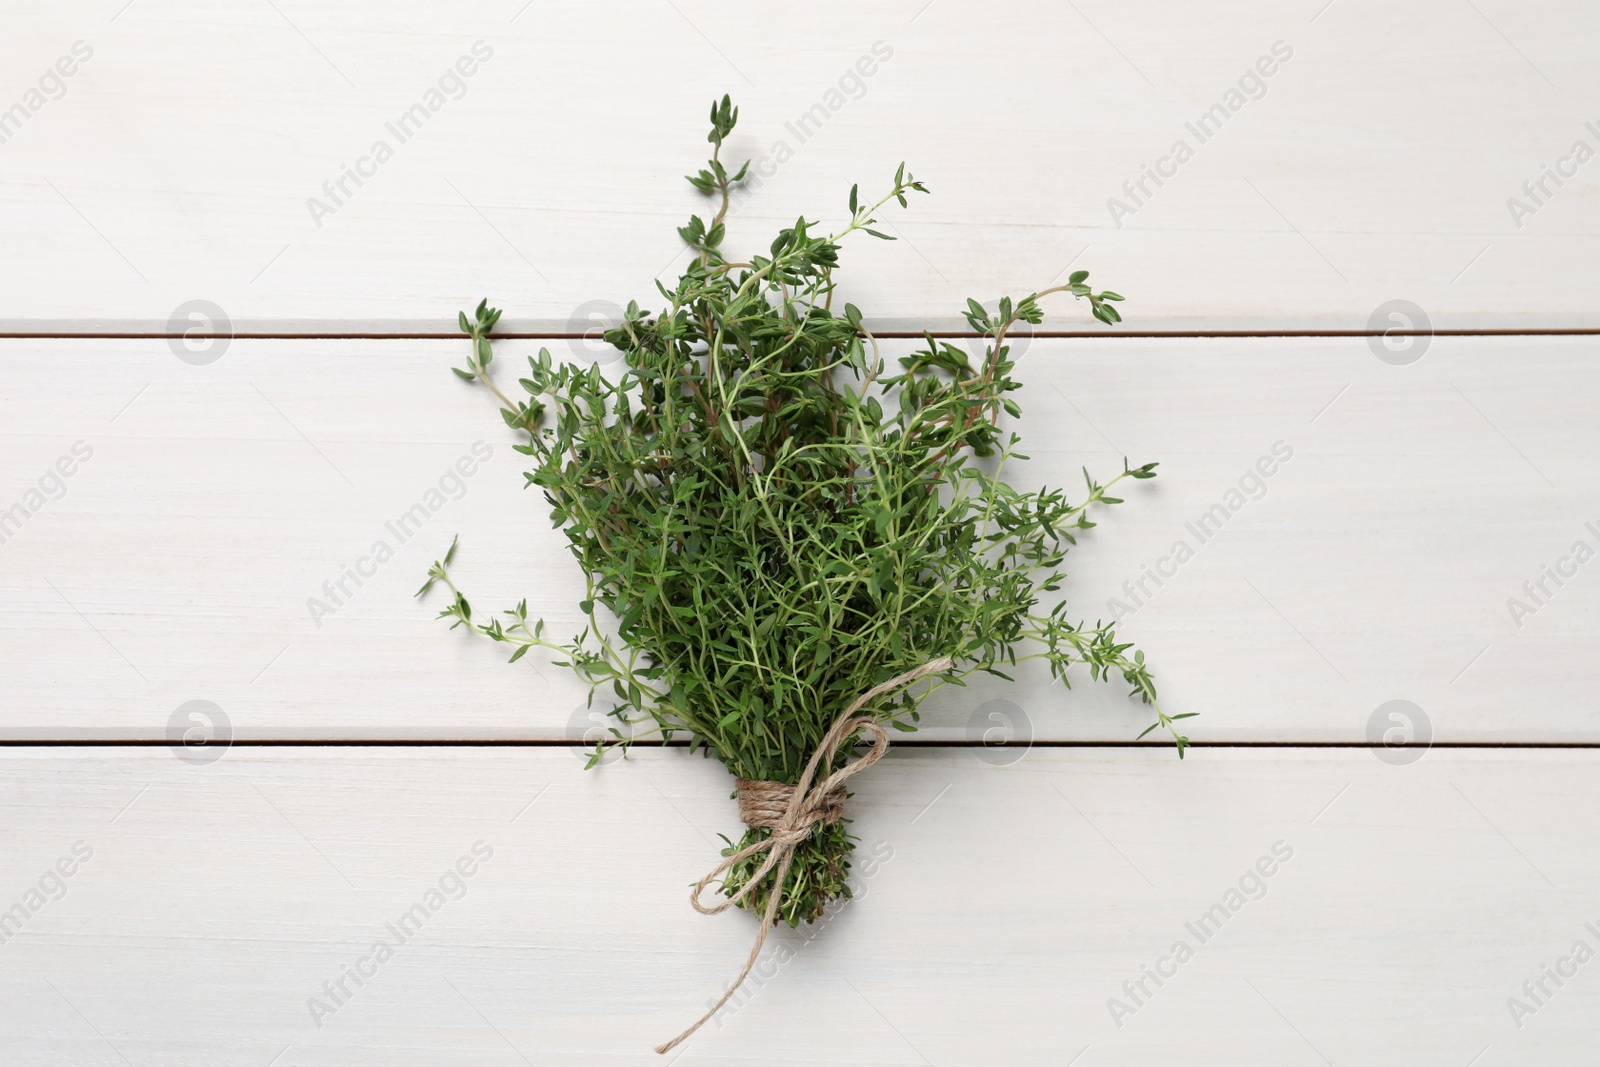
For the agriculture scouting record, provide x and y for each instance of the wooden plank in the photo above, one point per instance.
(180, 161)
(1376, 563)
(1006, 908)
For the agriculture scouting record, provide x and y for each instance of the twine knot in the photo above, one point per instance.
(764, 805)
(791, 812)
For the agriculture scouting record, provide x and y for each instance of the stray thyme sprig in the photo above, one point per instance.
(770, 520)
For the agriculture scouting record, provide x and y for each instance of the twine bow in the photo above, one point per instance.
(808, 805)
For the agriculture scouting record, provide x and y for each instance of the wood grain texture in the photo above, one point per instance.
(1005, 908)
(1377, 161)
(1377, 562)
(178, 517)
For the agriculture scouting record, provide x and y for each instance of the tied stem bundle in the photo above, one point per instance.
(770, 516)
(807, 806)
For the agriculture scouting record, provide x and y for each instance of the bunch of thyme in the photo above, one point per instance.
(769, 524)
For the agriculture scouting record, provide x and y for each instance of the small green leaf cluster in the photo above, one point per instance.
(771, 519)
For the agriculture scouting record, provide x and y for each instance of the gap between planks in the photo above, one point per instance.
(246, 335)
(393, 742)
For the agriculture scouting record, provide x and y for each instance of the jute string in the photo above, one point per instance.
(791, 812)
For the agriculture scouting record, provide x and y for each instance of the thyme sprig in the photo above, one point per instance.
(770, 519)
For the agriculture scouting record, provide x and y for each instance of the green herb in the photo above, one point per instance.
(769, 523)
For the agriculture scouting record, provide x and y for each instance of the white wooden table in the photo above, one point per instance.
(172, 511)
